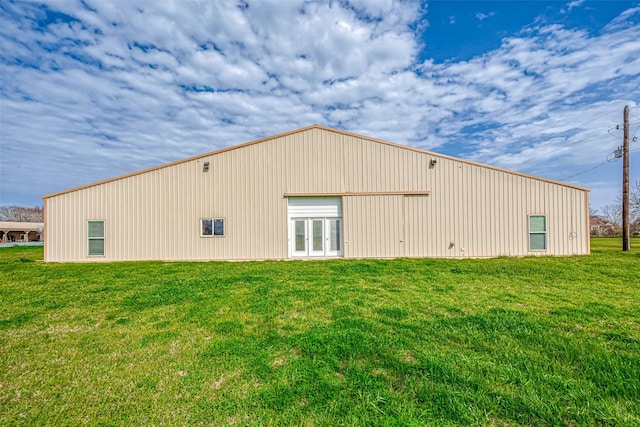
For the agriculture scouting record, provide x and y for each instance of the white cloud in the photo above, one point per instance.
(574, 3)
(482, 16)
(127, 85)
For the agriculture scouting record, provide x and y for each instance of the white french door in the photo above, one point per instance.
(315, 226)
(315, 237)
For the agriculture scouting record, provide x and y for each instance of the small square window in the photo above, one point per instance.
(213, 227)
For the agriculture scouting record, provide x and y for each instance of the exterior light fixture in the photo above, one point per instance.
(433, 162)
(205, 167)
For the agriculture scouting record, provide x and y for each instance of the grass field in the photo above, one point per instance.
(506, 341)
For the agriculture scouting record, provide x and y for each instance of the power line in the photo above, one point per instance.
(596, 118)
(611, 157)
(575, 127)
(570, 144)
(585, 171)
(618, 127)
(610, 134)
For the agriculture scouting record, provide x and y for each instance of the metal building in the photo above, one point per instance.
(316, 192)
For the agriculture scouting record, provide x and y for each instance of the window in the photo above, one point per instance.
(96, 238)
(537, 232)
(212, 227)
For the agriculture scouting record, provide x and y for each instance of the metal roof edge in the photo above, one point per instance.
(177, 162)
(304, 129)
(457, 159)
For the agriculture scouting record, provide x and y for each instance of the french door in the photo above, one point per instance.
(316, 237)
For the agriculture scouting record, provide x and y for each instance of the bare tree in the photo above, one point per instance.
(21, 214)
(634, 202)
(612, 213)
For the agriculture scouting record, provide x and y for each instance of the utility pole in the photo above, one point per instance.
(625, 182)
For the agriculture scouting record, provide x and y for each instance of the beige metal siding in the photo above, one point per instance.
(155, 214)
(373, 226)
(418, 235)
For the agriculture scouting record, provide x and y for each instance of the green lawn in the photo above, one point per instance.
(506, 341)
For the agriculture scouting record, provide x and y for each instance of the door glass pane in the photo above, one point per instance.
(334, 238)
(317, 235)
(300, 236)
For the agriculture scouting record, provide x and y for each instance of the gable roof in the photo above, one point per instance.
(305, 129)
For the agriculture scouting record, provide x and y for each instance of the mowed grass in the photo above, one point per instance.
(506, 341)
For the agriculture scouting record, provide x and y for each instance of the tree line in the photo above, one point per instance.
(613, 212)
(21, 214)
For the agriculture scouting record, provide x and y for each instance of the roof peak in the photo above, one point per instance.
(300, 130)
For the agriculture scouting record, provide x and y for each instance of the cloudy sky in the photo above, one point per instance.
(95, 89)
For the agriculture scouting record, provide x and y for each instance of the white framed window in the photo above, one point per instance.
(95, 235)
(212, 227)
(537, 232)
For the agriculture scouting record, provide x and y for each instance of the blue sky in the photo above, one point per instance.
(95, 89)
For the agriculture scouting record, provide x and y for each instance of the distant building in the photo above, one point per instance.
(600, 227)
(316, 192)
(11, 231)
